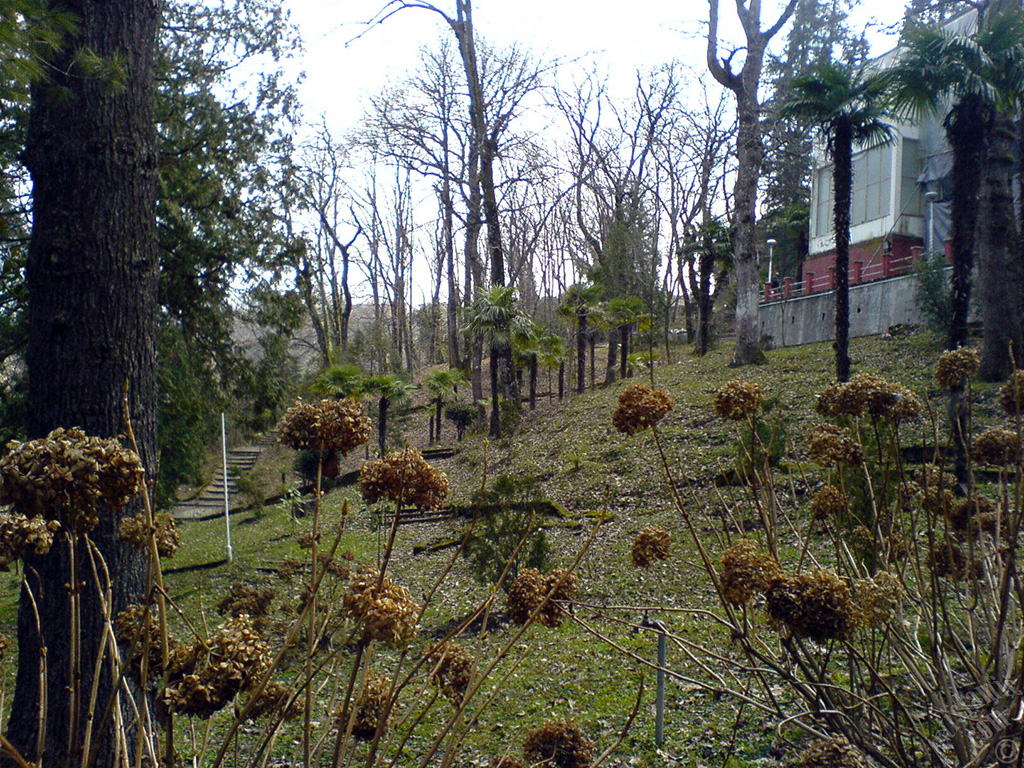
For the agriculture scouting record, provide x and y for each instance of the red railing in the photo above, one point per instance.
(888, 266)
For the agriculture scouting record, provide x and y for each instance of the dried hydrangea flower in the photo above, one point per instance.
(996, 447)
(287, 570)
(829, 502)
(738, 400)
(877, 599)
(559, 743)
(370, 707)
(505, 761)
(329, 425)
(967, 509)
(70, 477)
(817, 605)
(386, 609)
(451, 666)
(243, 598)
(832, 446)
(276, 699)
(405, 479)
(650, 545)
(956, 367)
(640, 407)
(936, 494)
(138, 633)
(136, 531)
(948, 561)
(531, 588)
(208, 676)
(746, 571)
(1011, 394)
(835, 752)
(21, 535)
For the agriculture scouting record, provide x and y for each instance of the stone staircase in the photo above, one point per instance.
(210, 501)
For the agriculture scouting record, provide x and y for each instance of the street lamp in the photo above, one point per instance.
(771, 250)
(931, 196)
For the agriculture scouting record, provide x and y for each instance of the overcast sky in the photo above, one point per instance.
(620, 36)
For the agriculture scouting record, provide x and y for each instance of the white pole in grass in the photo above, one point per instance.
(227, 505)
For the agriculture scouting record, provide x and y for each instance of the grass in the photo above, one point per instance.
(580, 462)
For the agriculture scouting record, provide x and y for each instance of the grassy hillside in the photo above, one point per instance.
(608, 487)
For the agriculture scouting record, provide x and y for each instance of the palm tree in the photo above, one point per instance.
(578, 302)
(388, 389)
(345, 380)
(846, 105)
(552, 356)
(971, 77)
(441, 384)
(495, 313)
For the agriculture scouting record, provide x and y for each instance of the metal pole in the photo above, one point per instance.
(771, 253)
(659, 711)
(659, 703)
(227, 503)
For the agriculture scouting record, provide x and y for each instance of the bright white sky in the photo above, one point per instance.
(619, 36)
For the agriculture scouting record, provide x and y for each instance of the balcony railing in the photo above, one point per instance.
(889, 266)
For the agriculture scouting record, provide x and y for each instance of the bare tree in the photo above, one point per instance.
(744, 83)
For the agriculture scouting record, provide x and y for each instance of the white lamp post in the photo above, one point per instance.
(771, 250)
(931, 196)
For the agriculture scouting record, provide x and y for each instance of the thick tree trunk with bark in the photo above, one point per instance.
(1000, 298)
(92, 271)
(843, 181)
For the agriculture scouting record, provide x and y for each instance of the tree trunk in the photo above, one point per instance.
(999, 298)
(750, 149)
(706, 264)
(533, 381)
(623, 350)
(561, 380)
(92, 272)
(495, 410)
(581, 352)
(382, 425)
(613, 356)
(842, 174)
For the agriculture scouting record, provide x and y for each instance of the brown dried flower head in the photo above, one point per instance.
(956, 367)
(386, 609)
(936, 494)
(206, 678)
(506, 761)
(877, 599)
(287, 570)
(738, 400)
(996, 447)
(1011, 394)
(746, 571)
(948, 561)
(136, 531)
(451, 667)
(835, 752)
(530, 590)
(559, 743)
(967, 509)
(829, 502)
(70, 477)
(138, 634)
(278, 700)
(21, 535)
(867, 392)
(404, 478)
(650, 545)
(640, 407)
(817, 605)
(832, 446)
(329, 425)
(243, 598)
(370, 707)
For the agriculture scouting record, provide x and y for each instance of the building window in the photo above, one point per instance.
(910, 193)
(872, 174)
